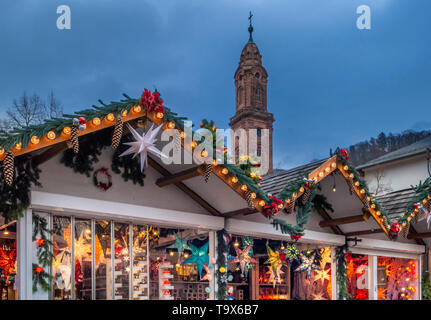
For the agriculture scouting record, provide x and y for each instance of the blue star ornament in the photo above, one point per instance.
(307, 264)
(180, 244)
(199, 256)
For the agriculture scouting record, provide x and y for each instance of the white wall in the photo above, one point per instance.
(398, 175)
(57, 178)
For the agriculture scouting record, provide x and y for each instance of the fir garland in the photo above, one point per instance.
(15, 198)
(340, 255)
(221, 263)
(43, 253)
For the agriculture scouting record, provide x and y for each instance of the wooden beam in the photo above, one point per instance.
(180, 176)
(327, 217)
(185, 189)
(363, 232)
(50, 153)
(345, 220)
(243, 211)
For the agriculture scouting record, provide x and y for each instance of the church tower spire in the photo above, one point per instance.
(251, 82)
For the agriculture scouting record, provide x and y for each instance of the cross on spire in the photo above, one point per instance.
(250, 28)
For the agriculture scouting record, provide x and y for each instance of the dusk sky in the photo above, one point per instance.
(330, 84)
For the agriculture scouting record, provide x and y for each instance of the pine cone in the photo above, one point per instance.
(208, 170)
(386, 223)
(8, 167)
(117, 134)
(249, 200)
(405, 230)
(177, 141)
(74, 138)
(306, 195)
(366, 202)
(291, 206)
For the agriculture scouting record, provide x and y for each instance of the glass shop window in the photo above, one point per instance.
(83, 260)
(121, 261)
(179, 264)
(140, 263)
(242, 269)
(62, 262)
(312, 275)
(8, 260)
(357, 276)
(397, 279)
(102, 260)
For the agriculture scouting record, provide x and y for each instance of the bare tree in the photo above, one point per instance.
(55, 109)
(381, 187)
(27, 110)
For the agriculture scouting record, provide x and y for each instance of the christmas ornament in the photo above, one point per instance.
(143, 144)
(118, 133)
(180, 245)
(244, 259)
(8, 167)
(291, 253)
(99, 184)
(199, 256)
(322, 275)
(307, 264)
(74, 138)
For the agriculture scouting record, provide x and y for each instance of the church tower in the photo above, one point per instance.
(251, 82)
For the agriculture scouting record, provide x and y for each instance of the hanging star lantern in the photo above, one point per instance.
(325, 257)
(180, 245)
(244, 259)
(307, 264)
(143, 144)
(275, 275)
(199, 256)
(273, 258)
(291, 253)
(322, 275)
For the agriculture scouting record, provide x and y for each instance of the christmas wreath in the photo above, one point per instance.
(102, 185)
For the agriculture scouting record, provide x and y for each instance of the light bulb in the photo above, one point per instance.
(67, 130)
(110, 117)
(34, 140)
(50, 135)
(96, 121)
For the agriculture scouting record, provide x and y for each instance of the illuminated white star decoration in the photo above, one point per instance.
(325, 257)
(322, 275)
(143, 144)
(275, 277)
